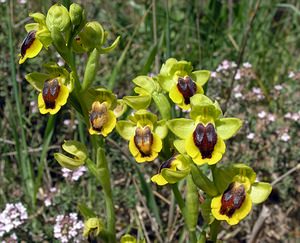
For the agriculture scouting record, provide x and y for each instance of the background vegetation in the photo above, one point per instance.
(265, 34)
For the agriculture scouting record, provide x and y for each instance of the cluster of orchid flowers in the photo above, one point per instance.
(192, 142)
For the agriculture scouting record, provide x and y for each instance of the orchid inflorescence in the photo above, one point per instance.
(190, 146)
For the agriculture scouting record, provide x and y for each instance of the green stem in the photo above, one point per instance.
(183, 209)
(104, 178)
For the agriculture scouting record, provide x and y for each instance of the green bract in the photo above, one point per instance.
(58, 17)
(77, 155)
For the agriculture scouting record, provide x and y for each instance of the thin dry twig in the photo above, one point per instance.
(265, 212)
(153, 223)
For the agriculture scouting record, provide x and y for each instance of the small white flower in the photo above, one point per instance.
(251, 135)
(213, 74)
(288, 115)
(262, 114)
(271, 117)
(238, 75)
(295, 116)
(68, 228)
(291, 74)
(238, 95)
(73, 175)
(247, 65)
(278, 87)
(256, 90)
(285, 137)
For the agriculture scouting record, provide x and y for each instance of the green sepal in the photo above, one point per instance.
(165, 82)
(224, 175)
(161, 129)
(179, 144)
(104, 50)
(68, 162)
(205, 210)
(145, 82)
(37, 80)
(162, 104)
(202, 182)
(31, 26)
(260, 191)
(90, 69)
(126, 129)
(181, 127)
(38, 17)
(201, 76)
(44, 37)
(138, 102)
(75, 148)
(228, 127)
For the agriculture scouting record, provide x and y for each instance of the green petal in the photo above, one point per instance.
(166, 82)
(181, 127)
(174, 176)
(144, 117)
(31, 26)
(260, 191)
(228, 127)
(138, 102)
(126, 129)
(161, 129)
(201, 76)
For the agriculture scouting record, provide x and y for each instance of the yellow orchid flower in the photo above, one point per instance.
(53, 96)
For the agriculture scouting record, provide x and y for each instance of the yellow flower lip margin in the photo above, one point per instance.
(102, 119)
(143, 132)
(172, 170)
(254, 192)
(195, 153)
(60, 101)
(30, 47)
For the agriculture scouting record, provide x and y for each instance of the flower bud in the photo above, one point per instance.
(92, 35)
(76, 14)
(58, 17)
(93, 226)
(78, 154)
